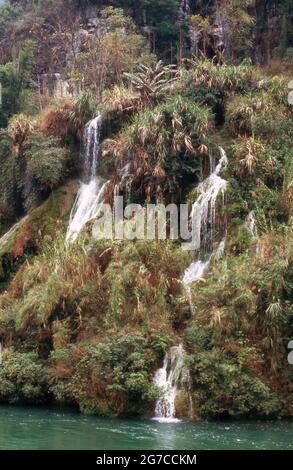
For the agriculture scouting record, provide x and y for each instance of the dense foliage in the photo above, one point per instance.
(22, 378)
(89, 323)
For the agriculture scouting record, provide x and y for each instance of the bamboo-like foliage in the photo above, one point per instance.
(227, 78)
(245, 112)
(162, 145)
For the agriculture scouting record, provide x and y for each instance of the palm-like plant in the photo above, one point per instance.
(162, 145)
(153, 82)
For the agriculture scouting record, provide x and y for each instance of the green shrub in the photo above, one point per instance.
(10, 81)
(45, 160)
(224, 387)
(22, 378)
(6, 169)
(13, 79)
(111, 378)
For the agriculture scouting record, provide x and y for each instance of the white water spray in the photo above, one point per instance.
(174, 374)
(195, 272)
(204, 219)
(92, 188)
(199, 268)
(204, 209)
(170, 378)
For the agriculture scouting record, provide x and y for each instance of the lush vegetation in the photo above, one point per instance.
(89, 323)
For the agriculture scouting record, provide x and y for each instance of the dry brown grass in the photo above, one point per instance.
(56, 121)
(19, 129)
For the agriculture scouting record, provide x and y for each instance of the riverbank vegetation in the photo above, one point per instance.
(89, 323)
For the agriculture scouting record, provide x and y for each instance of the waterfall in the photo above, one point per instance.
(170, 378)
(195, 271)
(174, 374)
(92, 136)
(204, 219)
(92, 188)
(198, 269)
(204, 209)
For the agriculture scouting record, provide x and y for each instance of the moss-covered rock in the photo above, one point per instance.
(41, 225)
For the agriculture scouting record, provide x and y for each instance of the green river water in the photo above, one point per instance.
(58, 429)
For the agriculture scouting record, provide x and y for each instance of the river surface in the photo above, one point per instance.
(61, 429)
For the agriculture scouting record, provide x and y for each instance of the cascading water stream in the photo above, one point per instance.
(92, 188)
(203, 213)
(203, 216)
(170, 377)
